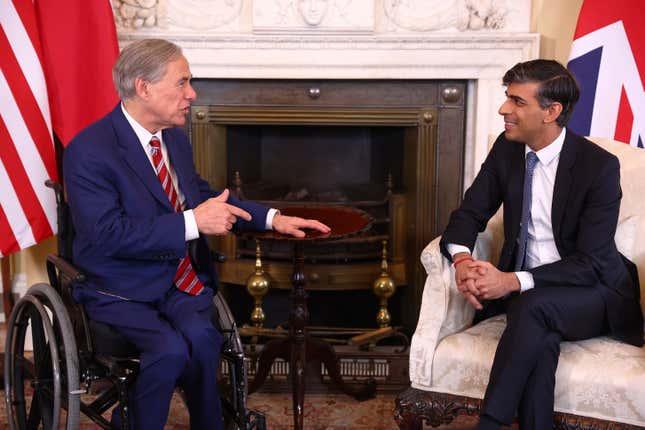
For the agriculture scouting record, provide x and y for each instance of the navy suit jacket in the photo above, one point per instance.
(128, 239)
(584, 215)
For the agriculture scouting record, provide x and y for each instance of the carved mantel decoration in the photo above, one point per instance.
(326, 16)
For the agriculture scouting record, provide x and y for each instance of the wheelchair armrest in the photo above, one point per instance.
(65, 268)
(201, 255)
(218, 257)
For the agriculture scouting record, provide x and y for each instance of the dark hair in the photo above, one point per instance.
(556, 84)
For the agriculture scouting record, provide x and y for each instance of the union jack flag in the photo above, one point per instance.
(608, 59)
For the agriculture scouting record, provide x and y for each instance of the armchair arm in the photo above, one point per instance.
(444, 310)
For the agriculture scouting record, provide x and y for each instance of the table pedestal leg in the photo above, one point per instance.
(299, 349)
(276, 348)
(322, 352)
(298, 333)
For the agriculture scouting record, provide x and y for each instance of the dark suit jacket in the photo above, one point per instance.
(128, 237)
(586, 202)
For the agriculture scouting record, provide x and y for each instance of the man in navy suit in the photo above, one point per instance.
(559, 276)
(136, 201)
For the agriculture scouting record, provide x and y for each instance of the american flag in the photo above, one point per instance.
(55, 64)
(608, 59)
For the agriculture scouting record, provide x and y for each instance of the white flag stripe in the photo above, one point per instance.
(27, 151)
(12, 209)
(27, 58)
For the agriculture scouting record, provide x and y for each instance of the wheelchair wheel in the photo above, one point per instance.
(39, 385)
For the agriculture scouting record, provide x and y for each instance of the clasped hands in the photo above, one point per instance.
(215, 216)
(479, 280)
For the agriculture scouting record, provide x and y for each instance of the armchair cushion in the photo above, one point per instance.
(598, 378)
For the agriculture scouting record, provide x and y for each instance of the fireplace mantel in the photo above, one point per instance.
(480, 57)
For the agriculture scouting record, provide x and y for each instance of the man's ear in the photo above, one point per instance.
(553, 111)
(141, 87)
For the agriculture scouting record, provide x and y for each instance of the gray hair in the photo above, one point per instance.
(146, 59)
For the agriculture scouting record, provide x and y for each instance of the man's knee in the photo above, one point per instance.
(169, 357)
(531, 307)
(204, 339)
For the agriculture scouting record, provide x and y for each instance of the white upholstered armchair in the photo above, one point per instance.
(600, 383)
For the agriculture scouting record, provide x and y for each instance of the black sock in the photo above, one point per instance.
(486, 422)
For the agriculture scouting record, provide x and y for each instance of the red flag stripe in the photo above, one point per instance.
(18, 225)
(625, 119)
(8, 242)
(18, 177)
(80, 47)
(28, 106)
(25, 10)
(27, 56)
(31, 161)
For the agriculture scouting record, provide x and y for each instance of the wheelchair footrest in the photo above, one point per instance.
(256, 421)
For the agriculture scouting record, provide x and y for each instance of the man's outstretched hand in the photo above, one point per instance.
(215, 216)
(294, 226)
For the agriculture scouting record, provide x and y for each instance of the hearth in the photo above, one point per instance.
(392, 148)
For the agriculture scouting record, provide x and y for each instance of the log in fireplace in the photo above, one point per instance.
(392, 148)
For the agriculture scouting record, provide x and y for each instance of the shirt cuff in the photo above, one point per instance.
(269, 222)
(453, 249)
(526, 281)
(190, 225)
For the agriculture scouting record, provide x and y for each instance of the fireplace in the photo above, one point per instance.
(392, 148)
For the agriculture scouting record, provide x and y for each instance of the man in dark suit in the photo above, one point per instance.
(136, 201)
(560, 276)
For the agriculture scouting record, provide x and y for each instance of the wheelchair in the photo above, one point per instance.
(82, 366)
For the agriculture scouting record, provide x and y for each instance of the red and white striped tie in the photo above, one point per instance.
(186, 278)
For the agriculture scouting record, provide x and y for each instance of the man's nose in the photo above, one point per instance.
(504, 109)
(191, 94)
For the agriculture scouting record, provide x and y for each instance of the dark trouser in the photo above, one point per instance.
(523, 375)
(179, 346)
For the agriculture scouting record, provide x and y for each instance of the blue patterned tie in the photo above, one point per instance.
(531, 161)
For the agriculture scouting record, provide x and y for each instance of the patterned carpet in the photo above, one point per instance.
(322, 412)
(337, 412)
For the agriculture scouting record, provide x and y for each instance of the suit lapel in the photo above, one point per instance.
(563, 182)
(135, 156)
(516, 186)
(179, 165)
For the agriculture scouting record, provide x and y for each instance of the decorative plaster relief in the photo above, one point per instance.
(197, 15)
(313, 16)
(461, 15)
(202, 14)
(135, 14)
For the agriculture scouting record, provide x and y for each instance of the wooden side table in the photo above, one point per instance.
(298, 348)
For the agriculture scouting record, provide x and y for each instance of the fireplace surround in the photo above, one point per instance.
(393, 148)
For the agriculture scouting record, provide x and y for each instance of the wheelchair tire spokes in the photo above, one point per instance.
(49, 370)
(36, 371)
(42, 405)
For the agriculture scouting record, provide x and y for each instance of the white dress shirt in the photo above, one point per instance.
(144, 136)
(540, 244)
